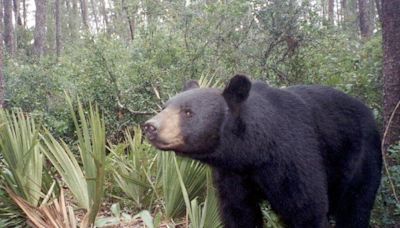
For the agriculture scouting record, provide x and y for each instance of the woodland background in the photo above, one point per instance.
(77, 76)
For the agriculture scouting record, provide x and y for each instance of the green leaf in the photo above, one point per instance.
(20, 148)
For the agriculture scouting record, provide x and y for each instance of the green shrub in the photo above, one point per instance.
(386, 212)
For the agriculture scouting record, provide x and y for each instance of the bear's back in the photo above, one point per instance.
(332, 108)
(340, 120)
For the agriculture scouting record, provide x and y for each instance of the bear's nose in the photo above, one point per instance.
(150, 130)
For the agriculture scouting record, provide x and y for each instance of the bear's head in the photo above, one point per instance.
(190, 122)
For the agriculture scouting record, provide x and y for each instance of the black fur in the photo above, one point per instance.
(237, 92)
(311, 151)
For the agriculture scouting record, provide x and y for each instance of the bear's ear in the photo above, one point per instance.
(191, 84)
(237, 91)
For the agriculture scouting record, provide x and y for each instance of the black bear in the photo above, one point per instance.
(311, 151)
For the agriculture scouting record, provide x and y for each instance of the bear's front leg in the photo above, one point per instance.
(239, 203)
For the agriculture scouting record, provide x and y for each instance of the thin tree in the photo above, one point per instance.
(73, 20)
(58, 27)
(131, 20)
(9, 38)
(364, 19)
(84, 11)
(18, 21)
(331, 6)
(338, 12)
(40, 27)
(391, 69)
(17, 14)
(104, 14)
(94, 11)
(378, 5)
(24, 14)
(372, 14)
(343, 8)
(323, 7)
(1, 58)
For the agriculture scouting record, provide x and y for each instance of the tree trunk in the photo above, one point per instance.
(1, 22)
(9, 38)
(68, 13)
(343, 7)
(372, 14)
(391, 68)
(58, 27)
(17, 14)
(131, 20)
(378, 4)
(24, 14)
(84, 11)
(18, 21)
(1, 58)
(331, 5)
(40, 27)
(104, 13)
(94, 9)
(338, 13)
(73, 20)
(364, 19)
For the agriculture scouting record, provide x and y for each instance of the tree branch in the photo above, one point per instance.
(383, 151)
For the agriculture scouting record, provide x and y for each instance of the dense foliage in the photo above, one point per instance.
(215, 40)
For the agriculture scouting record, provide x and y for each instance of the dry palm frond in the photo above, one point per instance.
(209, 81)
(55, 214)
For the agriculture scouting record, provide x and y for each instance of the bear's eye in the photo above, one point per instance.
(188, 113)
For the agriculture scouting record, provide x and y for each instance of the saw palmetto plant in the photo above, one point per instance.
(86, 181)
(21, 165)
